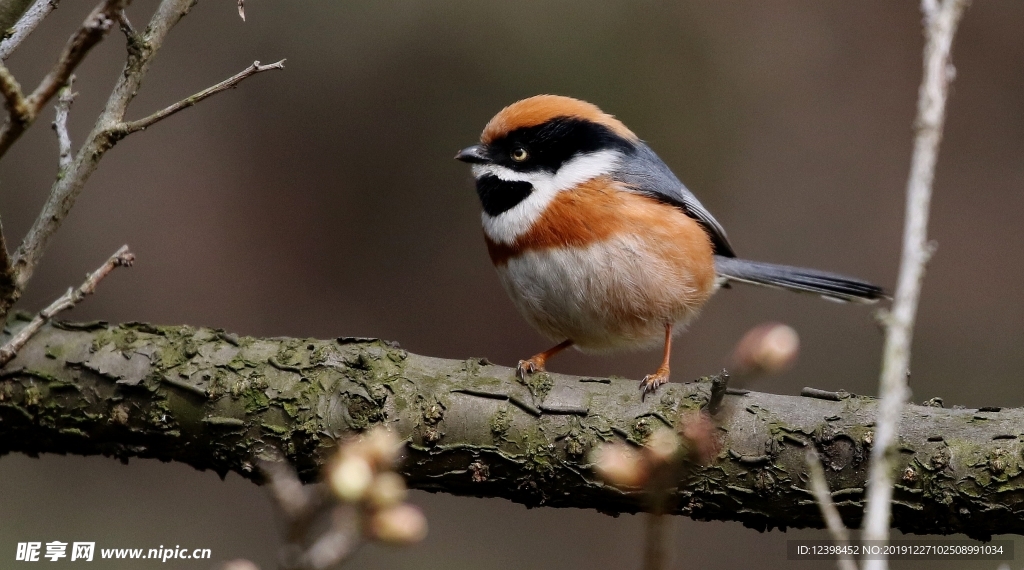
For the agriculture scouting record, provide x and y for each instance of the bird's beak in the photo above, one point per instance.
(473, 155)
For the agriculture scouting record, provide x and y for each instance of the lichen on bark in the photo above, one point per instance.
(218, 401)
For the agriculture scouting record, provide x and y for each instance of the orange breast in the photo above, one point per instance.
(599, 209)
(608, 268)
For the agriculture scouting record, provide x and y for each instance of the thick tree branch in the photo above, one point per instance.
(142, 124)
(25, 25)
(95, 27)
(217, 401)
(941, 21)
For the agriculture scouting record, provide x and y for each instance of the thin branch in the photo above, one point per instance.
(655, 533)
(26, 24)
(109, 128)
(940, 26)
(60, 125)
(142, 124)
(104, 135)
(833, 521)
(18, 111)
(121, 258)
(125, 25)
(14, 99)
(95, 27)
(5, 257)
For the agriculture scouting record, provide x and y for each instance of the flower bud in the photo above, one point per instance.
(399, 524)
(700, 436)
(662, 446)
(619, 465)
(388, 489)
(769, 348)
(350, 477)
(382, 447)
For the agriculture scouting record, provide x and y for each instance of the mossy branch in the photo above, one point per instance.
(217, 401)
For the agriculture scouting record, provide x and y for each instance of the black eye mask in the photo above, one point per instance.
(552, 144)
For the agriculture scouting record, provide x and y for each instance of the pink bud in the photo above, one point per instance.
(350, 477)
(700, 436)
(662, 446)
(400, 524)
(388, 489)
(769, 348)
(619, 465)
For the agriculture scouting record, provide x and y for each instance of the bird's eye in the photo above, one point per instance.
(519, 154)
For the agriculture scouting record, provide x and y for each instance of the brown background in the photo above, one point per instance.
(322, 201)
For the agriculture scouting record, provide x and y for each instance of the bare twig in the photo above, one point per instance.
(833, 521)
(93, 29)
(5, 256)
(106, 132)
(126, 26)
(60, 125)
(142, 124)
(293, 498)
(110, 127)
(18, 113)
(655, 532)
(14, 99)
(121, 258)
(361, 499)
(25, 25)
(96, 25)
(941, 19)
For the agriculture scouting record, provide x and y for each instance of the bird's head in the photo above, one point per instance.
(543, 145)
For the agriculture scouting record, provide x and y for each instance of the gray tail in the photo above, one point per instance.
(828, 285)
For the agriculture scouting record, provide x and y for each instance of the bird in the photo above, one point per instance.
(598, 243)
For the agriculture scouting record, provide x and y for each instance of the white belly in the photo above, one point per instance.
(611, 295)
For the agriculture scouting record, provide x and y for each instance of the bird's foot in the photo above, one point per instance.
(651, 382)
(529, 366)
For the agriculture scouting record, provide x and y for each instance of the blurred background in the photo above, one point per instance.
(323, 200)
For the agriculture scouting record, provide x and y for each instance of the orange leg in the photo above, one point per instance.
(651, 382)
(536, 362)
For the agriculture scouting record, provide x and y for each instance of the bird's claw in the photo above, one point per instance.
(526, 367)
(650, 383)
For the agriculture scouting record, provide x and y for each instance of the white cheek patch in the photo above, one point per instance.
(514, 222)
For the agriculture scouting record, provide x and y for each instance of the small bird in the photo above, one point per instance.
(597, 242)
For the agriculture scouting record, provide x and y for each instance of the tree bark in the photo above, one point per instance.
(10, 12)
(218, 401)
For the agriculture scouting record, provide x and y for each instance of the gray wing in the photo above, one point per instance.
(647, 174)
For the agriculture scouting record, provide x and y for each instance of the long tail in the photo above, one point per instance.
(828, 285)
